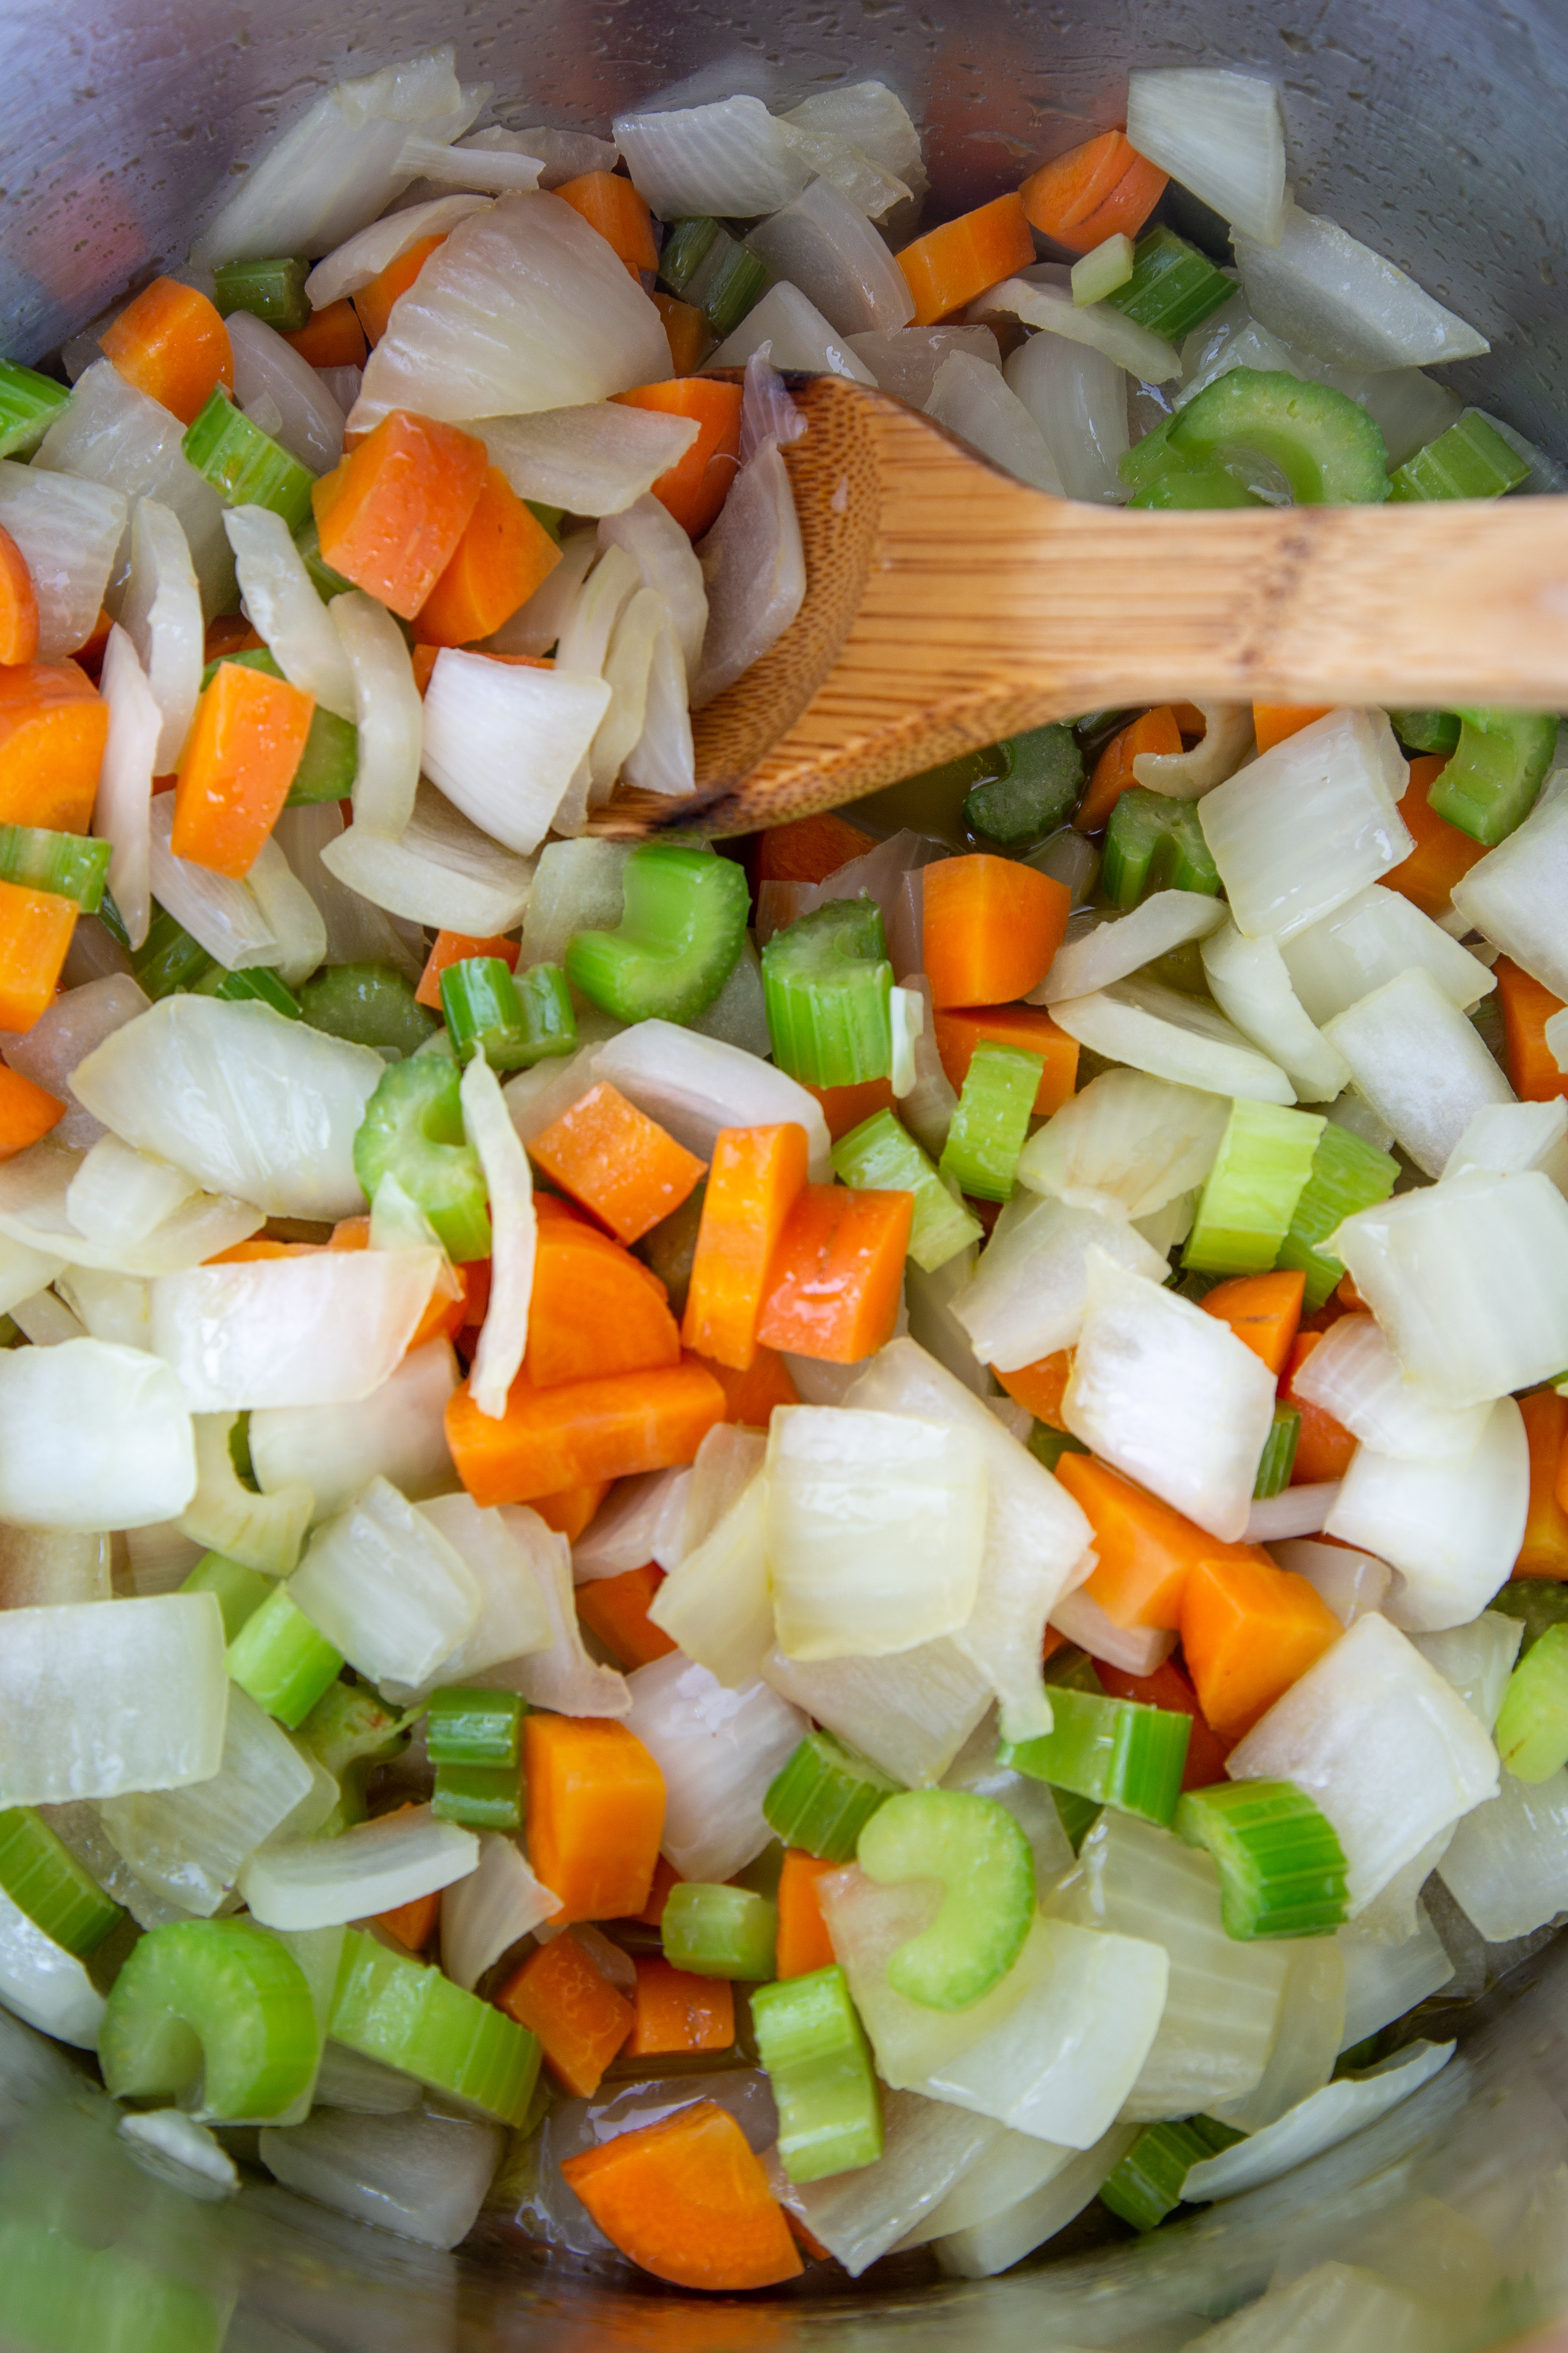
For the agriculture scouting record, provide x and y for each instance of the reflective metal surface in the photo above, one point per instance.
(1434, 132)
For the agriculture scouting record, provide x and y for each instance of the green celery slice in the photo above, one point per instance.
(240, 1591)
(1147, 2184)
(255, 981)
(245, 466)
(1048, 1445)
(168, 958)
(1044, 778)
(370, 1005)
(479, 1796)
(1348, 1175)
(1492, 779)
(824, 1797)
(979, 1853)
(29, 403)
(1174, 287)
(881, 1156)
(813, 2046)
(413, 1130)
(990, 1125)
(719, 1932)
(278, 1657)
(474, 1727)
(686, 243)
(1470, 460)
(1154, 843)
(729, 280)
(828, 991)
(1532, 1723)
(1250, 1194)
(1327, 448)
(1281, 1866)
(1118, 1751)
(1097, 274)
(395, 2009)
(1278, 1459)
(682, 928)
(349, 1731)
(1160, 476)
(1426, 731)
(216, 1997)
(484, 1012)
(44, 1879)
(71, 865)
(271, 290)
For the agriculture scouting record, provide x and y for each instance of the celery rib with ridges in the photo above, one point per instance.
(516, 1021)
(1114, 1752)
(813, 2046)
(1173, 288)
(719, 1932)
(1348, 1175)
(1251, 1193)
(71, 865)
(991, 1123)
(413, 1130)
(826, 986)
(412, 2017)
(281, 1660)
(44, 1879)
(881, 1156)
(245, 466)
(824, 1796)
(1147, 2184)
(1278, 1459)
(1154, 843)
(1489, 786)
(1470, 460)
(1532, 1723)
(1281, 1866)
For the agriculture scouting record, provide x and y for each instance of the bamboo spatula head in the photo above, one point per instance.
(948, 604)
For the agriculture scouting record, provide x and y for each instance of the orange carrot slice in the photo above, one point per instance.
(580, 1431)
(1099, 190)
(53, 728)
(750, 1397)
(504, 555)
(1442, 856)
(332, 337)
(35, 929)
(845, 1107)
(1249, 1630)
(569, 1509)
(244, 746)
(1154, 731)
(689, 2201)
(1276, 722)
(1323, 1446)
(594, 1811)
(992, 926)
(1263, 1310)
(19, 605)
(392, 513)
(608, 202)
(803, 1943)
(171, 343)
(372, 303)
(617, 1162)
(1146, 1550)
(1526, 1008)
(594, 1311)
(678, 2011)
(616, 1608)
(686, 331)
(26, 1113)
(412, 1924)
(1040, 1388)
(457, 947)
(755, 1177)
(696, 486)
(809, 849)
(959, 1030)
(837, 1274)
(948, 267)
(1545, 1551)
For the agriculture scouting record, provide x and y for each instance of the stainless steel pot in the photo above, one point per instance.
(1436, 132)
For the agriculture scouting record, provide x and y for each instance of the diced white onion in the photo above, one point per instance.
(1308, 2035)
(1384, 1981)
(596, 459)
(1512, 1139)
(730, 159)
(1452, 1527)
(1296, 1512)
(261, 1532)
(1477, 1660)
(1515, 894)
(357, 933)
(1420, 1064)
(561, 1677)
(373, 1867)
(1041, 297)
(189, 1844)
(122, 808)
(1381, 1743)
(386, 709)
(1028, 1294)
(868, 117)
(44, 1984)
(791, 328)
(1126, 1143)
(1251, 984)
(284, 607)
(1172, 1035)
(442, 870)
(92, 1436)
(823, 244)
(1170, 1396)
(523, 307)
(64, 1034)
(486, 1912)
(287, 907)
(717, 1605)
(162, 616)
(221, 912)
(718, 1751)
(1355, 1377)
(909, 1714)
(927, 2147)
(905, 361)
(386, 1590)
(662, 552)
(973, 401)
(462, 164)
(477, 712)
(576, 888)
(1309, 823)
(1507, 1864)
(1218, 134)
(421, 2176)
(326, 1329)
(641, 1519)
(24, 1273)
(69, 532)
(1107, 947)
(694, 1086)
(35, 1188)
(509, 1184)
(562, 154)
(184, 2155)
(1076, 395)
(74, 1684)
(266, 368)
(1319, 286)
(371, 250)
(395, 1432)
(755, 568)
(1371, 940)
(1136, 1650)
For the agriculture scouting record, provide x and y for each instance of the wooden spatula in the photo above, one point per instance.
(948, 604)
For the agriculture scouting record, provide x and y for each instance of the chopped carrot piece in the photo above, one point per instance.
(1147, 1551)
(1276, 722)
(412, 1924)
(1262, 1309)
(750, 1397)
(689, 2201)
(18, 606)
(755, 1178)
(392, 513)
(569, 1509)
(1249, 1630)
(1168, 1687)
(504, 555)
(686, 331)
(230, 633)
(35, 929)
(948, 267)
(615, 1609)
(1323, 1446)
(608, 202)
(26, 1113)
(1040, 1388)
(455, 947)
(803, 1943)
(581, 2019)
(617, 1162)
(593, 1313)
(845, 1107)
(1104, 188)
(1442, 856)
(665, 1877)
(810, 849)
(1545, 1551)
(244, 746)
(594, 1814)
(1155, 731)
(372, 303)
(1349, 1297)
(332, 337)
(1526, 1009)
(838, 1275)
(53, 728)
(679, 2012)
(171, 343)
(696, 486)
(562, 1437)
(959, 1030)
(992, 926)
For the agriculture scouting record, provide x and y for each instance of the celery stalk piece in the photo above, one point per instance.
(1537, 1602)
(1048, 1445)
(412, 2017)
(991, 1123)
(1171, 288)
(1470, 460)
(1251, 1193)
(216, 1997)
(244, 465)
(43, 1878)
(479, 1796)
(1078, 1814)
(255, 981)
(1097, 275)
(549, 1017)
(515, 1022)
(1154, 843)
(1490, 782)
(369, 1004)
(278, 1657)
(474, 1727)
(56, 2291)
(29, 403)
(881, 1156)
(686, 243)
(1532, 1723)
(1281, 1866)
(1114, 1752)
(413, 1130)
(1327, 448)
(719, 1932)
(983, 1859)
(682, 928)
(824, 1796)
(1278, 1459)
(349, 1731)
(71, 865)
(826, 985)
(1147, 2184)
(813, 2046)
(168, 958)
(271, 290)
(1426, 731)
(1348, 1175)
(240, 1591)
(727, 282)
(1042, 777)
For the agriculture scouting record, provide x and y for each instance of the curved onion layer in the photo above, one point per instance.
(1310, 823)
(905, 361)
(397, 1433)
(718, 1751)
(1218, 134)
(356, 932)
(1510, 1139)
(162, 615)
(1172, 1035)
(371, 250)
(1126, 1143)
(122, 808)
(1419, 1063)
(1187, 776)
(442, 870)
(476, 714)
(95, 1437)
(797, 334)
(188, 1845)
(755, 569)
(485, 1913)
(1251, 982)
(1028, 1296)
(593, 460)
(309, 422)
(64, 1034)
(535, 625)
(823, 243)
(868, 118)
(1317, 286)
(1041, 298)
(283, 605)
(730, 159)
(221, 914)
(69, 532)
(695, 1085)
(1105, 948)
(1076, 395)
(662, 552)
(325, 1883)
(1452, 1528)
(423, 2177)
(325, 1329)
(1372, 939)
(560, 1675)
(1355, 1377)
(1515, 894)
(509, 1183)
(973, 401)
(35, 1188)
